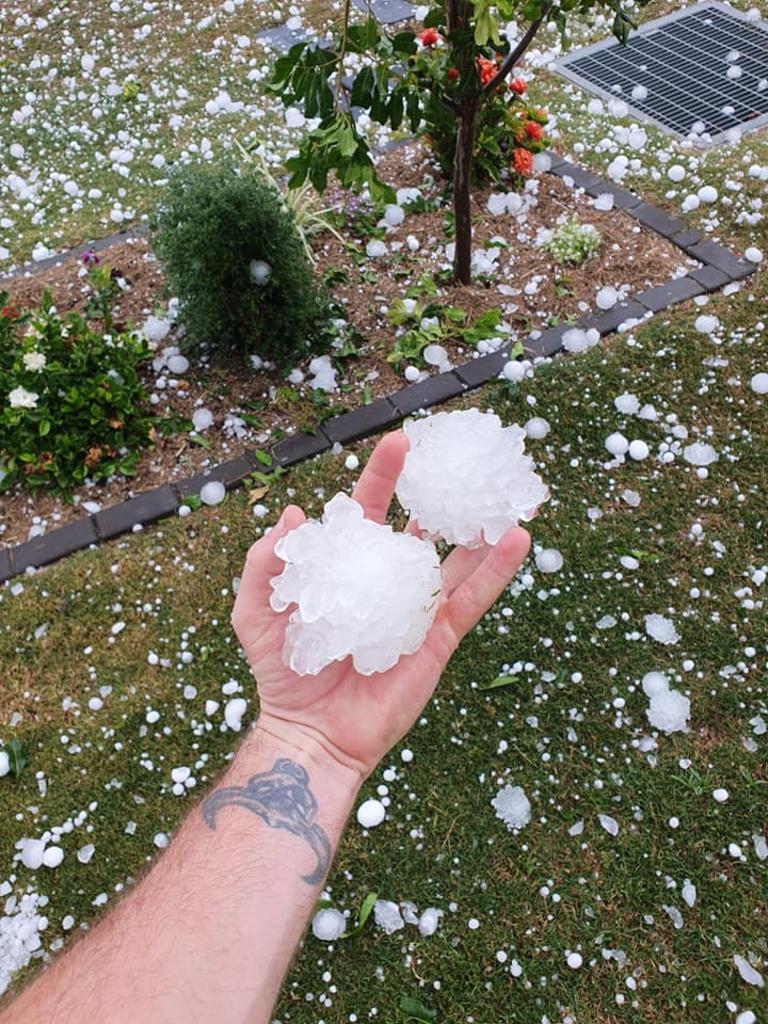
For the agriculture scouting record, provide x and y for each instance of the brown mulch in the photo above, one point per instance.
(630, 255)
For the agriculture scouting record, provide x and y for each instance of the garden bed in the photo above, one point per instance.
(255, 408)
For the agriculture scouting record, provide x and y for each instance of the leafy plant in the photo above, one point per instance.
(71, 401)
(573, 242)
(449, 82)
(17, 758)
(435, 324)
(230, 250)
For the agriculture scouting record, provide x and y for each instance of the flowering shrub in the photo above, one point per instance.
(231, 254)
(573, 242)
(508, 132)
(71, 403)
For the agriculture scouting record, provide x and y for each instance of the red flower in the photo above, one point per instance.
(522, 161)
(429, 37)
(11, 312)
(518, 85)
(486, 69)
(453, 74)
(534, 130)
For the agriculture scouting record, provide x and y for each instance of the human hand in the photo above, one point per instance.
(355, 718)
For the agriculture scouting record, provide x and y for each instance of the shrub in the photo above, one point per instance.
(231, 254)
(573, 242)
(71, 402)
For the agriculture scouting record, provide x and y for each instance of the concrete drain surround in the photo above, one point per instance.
(719, 267)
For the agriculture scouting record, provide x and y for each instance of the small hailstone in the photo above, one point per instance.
(706, 324)
(577, 340)
(393, 215)
(676, 172)
(387, 916)
(700, 454)
(155, 329)
(669, 711)
(617, 444)
(610, 824)
(512, 806)
(435, 355)
(707, 194)
(720, 795)
(753, 254)
(406, 756)
(759, 383)
(375, 248)
(233, 713)
(603, 202)
(411, 374)
(323, 374)
(549, 560)
(654, 682)
(514, 371)
(660, 628)
(607, 298)
(360, 589)
(85, 853)
(260, 272)
(32, 852)
(688, 892)
(202, 419)
(627, 403)
(574, 961)
(746, 1017)
(537, 428)
(53, 856)
(177, 365)
(449, 449)
(161, 840)
(638, 450)
(371, 813)
(328, 925)
(429, 921)
(351, 463)
(5, 764)
(748, 972)
(213, 492)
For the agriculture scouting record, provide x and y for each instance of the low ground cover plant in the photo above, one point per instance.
(72, 405)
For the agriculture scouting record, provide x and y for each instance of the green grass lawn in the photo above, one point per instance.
(569, 728)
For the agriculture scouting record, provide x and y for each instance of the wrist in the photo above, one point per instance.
(301, 742)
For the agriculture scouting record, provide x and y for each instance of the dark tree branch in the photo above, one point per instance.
(514, 56)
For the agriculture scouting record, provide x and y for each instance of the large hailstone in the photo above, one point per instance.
(359, 589)
(466, 478)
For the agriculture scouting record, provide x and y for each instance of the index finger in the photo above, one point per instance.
(376, 485)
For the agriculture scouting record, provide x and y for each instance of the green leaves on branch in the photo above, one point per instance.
(486, 23)
(337, 145)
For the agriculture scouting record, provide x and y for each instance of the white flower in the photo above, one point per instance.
(34, 360)
(20, 398)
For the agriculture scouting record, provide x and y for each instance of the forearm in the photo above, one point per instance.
(208, 934)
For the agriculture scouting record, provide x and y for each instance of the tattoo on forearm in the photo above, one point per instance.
(283, 799)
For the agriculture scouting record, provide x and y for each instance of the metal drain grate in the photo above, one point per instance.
(682, 61)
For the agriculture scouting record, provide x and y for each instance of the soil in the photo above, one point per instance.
(631, 258)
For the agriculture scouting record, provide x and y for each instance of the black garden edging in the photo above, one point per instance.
(719, 267)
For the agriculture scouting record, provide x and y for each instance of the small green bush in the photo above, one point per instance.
(574, 242)
(71, 402)
(231, 254)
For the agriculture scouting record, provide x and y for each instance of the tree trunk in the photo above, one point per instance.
(462, 185)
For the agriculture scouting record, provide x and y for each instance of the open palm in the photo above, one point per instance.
(358, 718)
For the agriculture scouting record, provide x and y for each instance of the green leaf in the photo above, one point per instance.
(16, 757)
(45, 428)
(365, 912)
(498, 682)
(201, 441)
(263, 457)
(414, 1009)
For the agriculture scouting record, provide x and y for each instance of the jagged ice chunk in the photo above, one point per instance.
(467, 479)
(359, 589)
